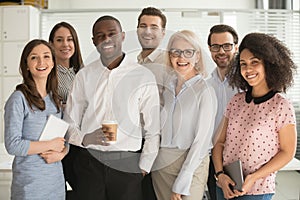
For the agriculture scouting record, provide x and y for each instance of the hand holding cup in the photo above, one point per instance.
(109, 128)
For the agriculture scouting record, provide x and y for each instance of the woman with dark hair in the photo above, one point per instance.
(64, 40)
(259, 124)
(37, 170)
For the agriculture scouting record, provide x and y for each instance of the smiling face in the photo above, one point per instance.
(223, 58)
(253, 70)
(185, 67)
(63, 45)
(108, 38)
(150, 31)
(40, 62)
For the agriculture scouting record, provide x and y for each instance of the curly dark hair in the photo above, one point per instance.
(277, 59)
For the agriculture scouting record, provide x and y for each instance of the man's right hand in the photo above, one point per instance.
(96, 137)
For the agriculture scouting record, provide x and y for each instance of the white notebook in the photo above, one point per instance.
(55, 127)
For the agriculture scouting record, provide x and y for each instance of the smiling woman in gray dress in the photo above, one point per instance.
(37, 169)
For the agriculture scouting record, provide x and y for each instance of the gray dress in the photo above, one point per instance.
(33, 178)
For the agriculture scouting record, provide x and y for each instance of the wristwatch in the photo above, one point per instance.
(218, 173)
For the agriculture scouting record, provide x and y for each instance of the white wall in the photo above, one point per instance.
(102, 4)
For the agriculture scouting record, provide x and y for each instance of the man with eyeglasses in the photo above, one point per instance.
(151, 31)
(223, 45)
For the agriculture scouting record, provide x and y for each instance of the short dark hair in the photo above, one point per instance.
(154, 12)
(104, 18)
(222, 28)
(276, 57)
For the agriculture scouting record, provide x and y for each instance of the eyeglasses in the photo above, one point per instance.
(187, 53)
(217, 47)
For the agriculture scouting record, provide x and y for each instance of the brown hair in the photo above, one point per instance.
(153, 12)
(223, 28)
(76, 59)
(28, 87)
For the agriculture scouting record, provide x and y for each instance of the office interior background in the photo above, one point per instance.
(20, 23)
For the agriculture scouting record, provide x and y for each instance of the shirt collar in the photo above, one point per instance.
(187, 83)
(118, 65)
(151, 57)
(62, 69)
(193, 80)
(258, 100)
(215, 75)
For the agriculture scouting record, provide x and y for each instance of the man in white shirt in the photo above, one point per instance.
(151, 31)
(223, 45)
(112, 88)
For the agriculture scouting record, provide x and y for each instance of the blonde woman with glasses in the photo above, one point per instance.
(187, 122)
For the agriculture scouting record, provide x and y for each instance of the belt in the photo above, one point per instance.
(112, 155)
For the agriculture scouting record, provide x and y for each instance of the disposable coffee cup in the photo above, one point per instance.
(112, 127)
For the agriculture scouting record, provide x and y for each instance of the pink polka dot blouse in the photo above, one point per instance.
(252, 134)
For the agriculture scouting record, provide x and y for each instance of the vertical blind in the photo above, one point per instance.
(284, 24)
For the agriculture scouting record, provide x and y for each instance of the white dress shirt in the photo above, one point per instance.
(224, 93)
(121, 94)
(187, 122)
(156, 63)
(157, 56)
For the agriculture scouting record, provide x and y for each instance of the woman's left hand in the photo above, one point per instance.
(248, 184)
(53, 156)
(176, 196)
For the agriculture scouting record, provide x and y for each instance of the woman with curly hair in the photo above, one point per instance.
(259, 126)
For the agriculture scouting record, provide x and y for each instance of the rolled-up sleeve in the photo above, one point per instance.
(150, 108)
(75, 108)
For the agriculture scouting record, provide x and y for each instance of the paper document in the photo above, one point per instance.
(235, 171)
(55, 127)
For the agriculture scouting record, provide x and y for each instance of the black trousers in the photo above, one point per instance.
(147, 187)
(68, 167)
(107, 175)
(211, 181)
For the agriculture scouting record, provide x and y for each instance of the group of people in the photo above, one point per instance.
(177, 127)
